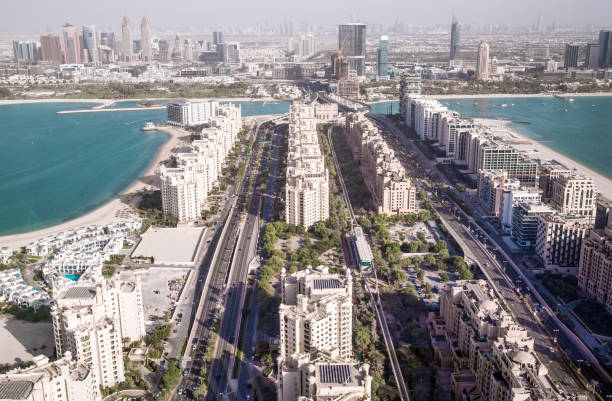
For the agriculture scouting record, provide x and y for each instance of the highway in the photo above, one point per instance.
(489, 259)
(214, 292)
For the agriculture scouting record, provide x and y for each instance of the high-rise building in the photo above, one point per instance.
(89, 321)
(60, 380)
(383, 57)
(352, 44)
(307, 45)
(595, 270)
(603, 215)
(127, 46)
(90, 42)
(107, 39)
(559, 240)
(540, 24)
(26, 52)
(525, 220)
(51, 51)
(164, 50)
(455, 39)
(605, 49)
(482, 62)
(591, 61)
(218, 38)
(571, 56)
(574, 194)
(145, 41)
(71, 43)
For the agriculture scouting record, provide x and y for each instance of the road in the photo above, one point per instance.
(463, 231)
(212, 285)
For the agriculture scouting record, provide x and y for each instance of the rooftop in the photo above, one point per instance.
(15, 389)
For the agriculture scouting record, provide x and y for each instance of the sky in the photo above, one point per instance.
(40, 16)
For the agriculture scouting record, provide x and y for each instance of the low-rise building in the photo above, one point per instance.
(15, 290)
(385, 177)
(492, 355)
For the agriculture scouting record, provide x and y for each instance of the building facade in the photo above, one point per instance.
(352, 44)
(127, 46)
(574, 194)
(145, 41)
(383, 57)
(482, 62)
(559, 240)
(51, 51)
(595, 268)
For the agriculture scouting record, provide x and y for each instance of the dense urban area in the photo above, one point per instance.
(328, 251)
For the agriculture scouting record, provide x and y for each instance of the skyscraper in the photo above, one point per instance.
(482, 61)
(383, 57)
(455, 38)
(126, 40)
(571, 56)
(90, 41)
(50, 49)
(25, 52)
(351, 42)
(591, 61)
(164, 50)
(145, 41)
(71, 45)
(540, 25)
(605, 49)
(217, 38)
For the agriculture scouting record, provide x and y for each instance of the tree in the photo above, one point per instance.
(421, 236)
(362, 338)
(440, 245)
(430, 260)
(413, 246)
(392, 252)
(444, 277)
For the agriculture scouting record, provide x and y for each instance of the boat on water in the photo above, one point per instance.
(149, 126)
(504, 105)
(571, 99)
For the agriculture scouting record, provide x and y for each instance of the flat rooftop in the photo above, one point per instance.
(171, 246)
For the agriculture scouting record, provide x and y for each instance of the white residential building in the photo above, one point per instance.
(181, 193)
(186, 113)
(5, 254)
(574, 194)
(88, 321)
(15, 290)
(315, 348)
(307, 184)
(61, 380)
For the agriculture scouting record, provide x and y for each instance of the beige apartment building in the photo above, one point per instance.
(315, 348)
(307, 177)
(60, 380)
(385, 177)
(181, 193)
(559, 240)
(595, 269)
(492, 356)
(574, 194)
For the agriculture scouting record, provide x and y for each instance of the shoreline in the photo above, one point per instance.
(518, 95)
(108, 211)
(108, 102)
(543, 152)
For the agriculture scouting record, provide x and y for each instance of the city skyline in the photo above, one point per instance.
(109, 14)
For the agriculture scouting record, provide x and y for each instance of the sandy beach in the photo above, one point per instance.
(514, 95)
(537, 150)
(117, 209)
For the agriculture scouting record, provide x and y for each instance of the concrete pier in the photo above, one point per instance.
(111, 110)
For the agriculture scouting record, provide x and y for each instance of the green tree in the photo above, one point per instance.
(362, 338)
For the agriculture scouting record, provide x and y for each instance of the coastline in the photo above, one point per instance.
(537, 150)
(518, 95)
(114, 210)
(108, 102)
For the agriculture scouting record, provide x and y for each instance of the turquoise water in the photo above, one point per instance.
(582, 133)
(72, 277)
(55, 167)
(248, 108)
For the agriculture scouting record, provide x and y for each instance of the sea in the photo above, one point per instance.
(580, 129)
(56, 167)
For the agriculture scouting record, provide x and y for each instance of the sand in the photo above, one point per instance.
(115, 210)
(108, 102)
(538, 151)
(21, 340)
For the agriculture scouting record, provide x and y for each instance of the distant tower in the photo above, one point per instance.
(482, 62)
(71, 45)
(383, 57)
(571, 56)
(145, 41)
(90, 41)
(352, 44)
(126, 40)
(217, 38)
(455, 38)
(605, 49)
(539, 26)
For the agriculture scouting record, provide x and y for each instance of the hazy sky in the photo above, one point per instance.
(46, 15)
